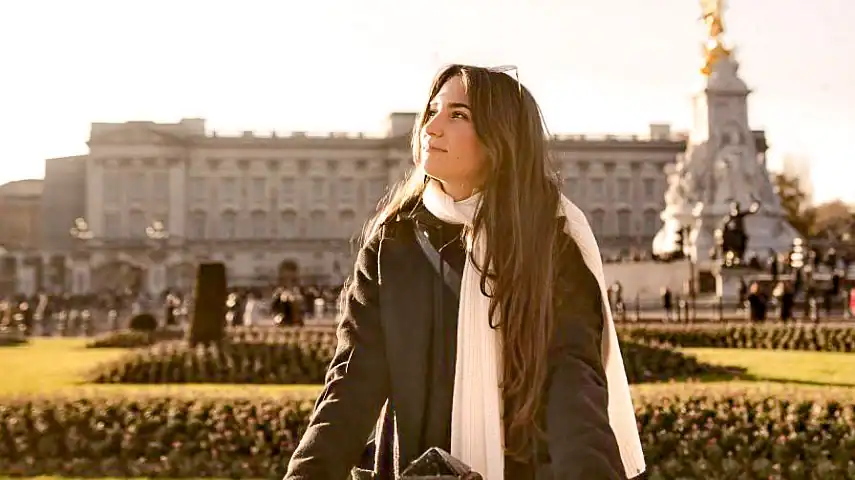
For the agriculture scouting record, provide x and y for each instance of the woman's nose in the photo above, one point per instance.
(433, 128)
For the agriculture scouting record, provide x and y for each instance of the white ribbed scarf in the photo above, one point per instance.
(477, 436)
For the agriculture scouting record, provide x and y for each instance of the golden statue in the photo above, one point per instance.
(712, 11)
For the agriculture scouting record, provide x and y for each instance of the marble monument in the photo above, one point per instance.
(721, 165)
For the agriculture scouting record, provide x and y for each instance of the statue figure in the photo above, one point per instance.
(715, 50)
(734, 238)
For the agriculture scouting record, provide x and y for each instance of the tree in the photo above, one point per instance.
(835, 220)
(800, 214)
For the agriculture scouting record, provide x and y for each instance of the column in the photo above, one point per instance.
(95, 195)
(81, 276)
(177, 199)
(156, 278)
(26, 276)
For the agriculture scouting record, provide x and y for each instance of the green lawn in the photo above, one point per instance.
(57, 366)
(785, 366)
(52, 366)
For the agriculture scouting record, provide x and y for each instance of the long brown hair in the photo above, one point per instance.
(520, 199)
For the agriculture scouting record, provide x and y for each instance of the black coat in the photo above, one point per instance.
(393, 346)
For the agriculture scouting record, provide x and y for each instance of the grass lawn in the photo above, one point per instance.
(785, 366)
(56, 366)
(52, 366)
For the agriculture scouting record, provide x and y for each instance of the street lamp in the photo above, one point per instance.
(81, 230)
(158, 234)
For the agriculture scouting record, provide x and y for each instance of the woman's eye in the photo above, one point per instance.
(459, 115)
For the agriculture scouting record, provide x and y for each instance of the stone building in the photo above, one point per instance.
(270, 204)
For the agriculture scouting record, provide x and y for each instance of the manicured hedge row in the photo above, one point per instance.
(286, 362)
(301, 356)
(835, 338)
(134, 338)
(702, 435)
(137, 339)
(12, 339)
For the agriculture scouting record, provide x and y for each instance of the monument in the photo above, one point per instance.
(721, 169)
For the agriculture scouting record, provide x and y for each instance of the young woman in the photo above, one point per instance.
(513, 368)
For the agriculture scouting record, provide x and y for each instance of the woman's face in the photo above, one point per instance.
(451, 151)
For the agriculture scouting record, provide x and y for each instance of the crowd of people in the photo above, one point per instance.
(65, 314)
(786, 286)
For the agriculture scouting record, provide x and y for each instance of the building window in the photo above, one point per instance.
(136, 224)
(229, 189)
(319, 190)
(347, 222)
(346, 191)
(623, 190)
(287, 192)
(571, 187)
(649, 189)
(623, 223)
(317, 224)
(378, 189)
(112, 225)
(288, 224)
(259, 224)
(597, 189)
(229, 224)
(258, 192)
(198, 224)
(651, 222)
(198, 189)
(598, 218)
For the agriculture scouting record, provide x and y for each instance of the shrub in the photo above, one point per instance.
(299, 359)
(302, 355)
(702, 434)
(143, 322)
(134, 338)
(12, 339)
(775, 336)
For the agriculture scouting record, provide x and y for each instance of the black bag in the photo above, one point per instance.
(434, 464)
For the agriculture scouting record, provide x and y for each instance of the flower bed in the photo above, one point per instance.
(691, 432)
(823, 338)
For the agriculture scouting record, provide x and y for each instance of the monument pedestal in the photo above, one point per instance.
(722, 166)
(728, 281)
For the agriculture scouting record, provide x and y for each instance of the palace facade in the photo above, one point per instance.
(267, 205)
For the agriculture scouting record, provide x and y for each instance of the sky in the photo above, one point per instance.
(605, 66)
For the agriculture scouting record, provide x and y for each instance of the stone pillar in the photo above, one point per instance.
(156, 281)
(95, 196)
(177, 199)
(81, 275)
(27, 281)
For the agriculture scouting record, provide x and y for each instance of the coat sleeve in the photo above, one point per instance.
(356, 385)
(580, 439)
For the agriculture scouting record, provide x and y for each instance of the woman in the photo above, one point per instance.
(533, 338)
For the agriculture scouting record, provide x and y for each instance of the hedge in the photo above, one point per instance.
(292, 357)
(11, 337)
(137, 339)
(134, 338)
(701, 435)
(302, 356)
(780, 337)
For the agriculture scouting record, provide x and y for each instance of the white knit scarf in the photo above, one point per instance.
(477, 436)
